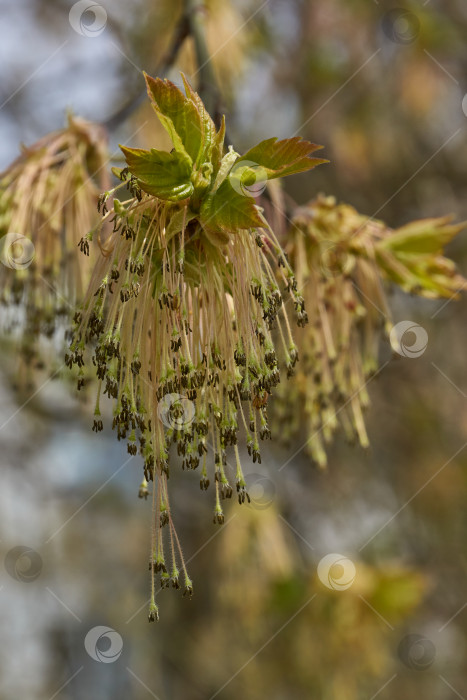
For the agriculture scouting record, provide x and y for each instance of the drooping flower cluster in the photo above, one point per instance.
(342, 260)
(48, 200)
(181, 307)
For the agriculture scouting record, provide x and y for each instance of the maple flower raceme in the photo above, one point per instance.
(181, 307)
(342, 261)
(48, 199)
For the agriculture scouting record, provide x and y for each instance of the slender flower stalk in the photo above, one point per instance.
(181, 306)
(342, 261)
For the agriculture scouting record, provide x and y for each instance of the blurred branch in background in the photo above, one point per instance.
(180, 33)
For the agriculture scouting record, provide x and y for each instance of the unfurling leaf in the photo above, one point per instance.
(180, 117)
(208, 130)
(218, 147)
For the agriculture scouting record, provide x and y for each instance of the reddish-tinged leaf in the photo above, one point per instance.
(179, 115)
(280, 158)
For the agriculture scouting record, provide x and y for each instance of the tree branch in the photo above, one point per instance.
(182, 30)
(208, 88)
(191, 23)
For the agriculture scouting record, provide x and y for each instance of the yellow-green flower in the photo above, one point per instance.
(342, 260)
(48, 200)
(182, 303)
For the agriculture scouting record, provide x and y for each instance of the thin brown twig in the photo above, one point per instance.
(182, 31)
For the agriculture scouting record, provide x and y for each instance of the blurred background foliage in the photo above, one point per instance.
(385, 99)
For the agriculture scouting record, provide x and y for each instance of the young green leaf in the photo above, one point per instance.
(179, 115)
(280, 158)
(208, 130)
(218, 147)
(178, 221)
(164, 175)
(228, 210)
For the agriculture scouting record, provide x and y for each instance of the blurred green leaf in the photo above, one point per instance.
(427, 236)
